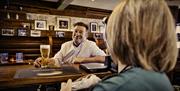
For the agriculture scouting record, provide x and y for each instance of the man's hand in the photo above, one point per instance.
(51, 62)
(38, 62)
(66, 86)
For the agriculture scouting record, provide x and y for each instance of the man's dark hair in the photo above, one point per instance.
(81, 24)
(105, 20)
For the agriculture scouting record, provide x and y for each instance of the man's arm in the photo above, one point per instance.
(97, 55)
(59, 56)
(89, 59)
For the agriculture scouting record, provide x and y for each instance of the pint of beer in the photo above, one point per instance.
(45, 51)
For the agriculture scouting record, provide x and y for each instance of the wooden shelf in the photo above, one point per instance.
(15, 20)
(13, 11)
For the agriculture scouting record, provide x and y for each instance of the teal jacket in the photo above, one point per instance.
(136, 79)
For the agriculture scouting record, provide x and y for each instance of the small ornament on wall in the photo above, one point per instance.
(8, 16)
(51, 27)
(17, 16)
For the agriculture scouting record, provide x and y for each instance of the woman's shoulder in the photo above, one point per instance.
(132, 79)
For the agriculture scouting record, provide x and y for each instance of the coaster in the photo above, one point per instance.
(50, 73)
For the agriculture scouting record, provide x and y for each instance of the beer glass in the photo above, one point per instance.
(45, 51)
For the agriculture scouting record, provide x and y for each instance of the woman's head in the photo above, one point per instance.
(142, 33)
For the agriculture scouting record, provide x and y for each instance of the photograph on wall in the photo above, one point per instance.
(22, 32)
(35, 33)
(8, 32)
(4, 58)
(40, 24)
(19, 57)
(60, 34)
(93, 27)
(63, 23)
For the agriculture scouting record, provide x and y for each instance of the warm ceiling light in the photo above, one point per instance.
(92, 0)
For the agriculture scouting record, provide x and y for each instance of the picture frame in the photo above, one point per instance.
(35, 33)
(22, 32)
(4, 57)
(93, 27)
(40, 24)
(19, 57)
(63, 23)
(60, 34)
(8, 32)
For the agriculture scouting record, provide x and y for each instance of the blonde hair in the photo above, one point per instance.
(142, 33)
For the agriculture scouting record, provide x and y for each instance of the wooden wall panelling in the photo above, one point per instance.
(29, 46)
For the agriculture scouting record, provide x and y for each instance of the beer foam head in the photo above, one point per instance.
(45, 46)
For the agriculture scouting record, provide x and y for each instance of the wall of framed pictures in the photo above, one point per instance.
(35, 25)
(64, 23)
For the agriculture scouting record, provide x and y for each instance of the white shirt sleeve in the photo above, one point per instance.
(96, 51)
(59, 56)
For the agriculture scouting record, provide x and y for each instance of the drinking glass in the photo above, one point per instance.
(45, 51)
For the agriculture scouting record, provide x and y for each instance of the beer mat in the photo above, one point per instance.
(50, 73)
(39, 72)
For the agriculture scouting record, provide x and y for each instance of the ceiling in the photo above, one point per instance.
(63, 4)
(101, 4)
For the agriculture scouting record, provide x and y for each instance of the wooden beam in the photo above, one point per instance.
(173, 3)
(64, 4)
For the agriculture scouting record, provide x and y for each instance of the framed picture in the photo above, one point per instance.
(93, 26)
(8, 32)
(4, 58)
(35, 33)
(60, 34)
(40, 24)
(63, 24)
(19, 57)
(22, 32)
(51, 27)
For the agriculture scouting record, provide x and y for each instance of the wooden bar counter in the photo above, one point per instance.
(7, 74)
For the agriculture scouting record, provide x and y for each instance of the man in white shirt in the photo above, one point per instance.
(78, 50)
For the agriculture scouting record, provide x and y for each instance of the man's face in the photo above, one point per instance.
(79, 34)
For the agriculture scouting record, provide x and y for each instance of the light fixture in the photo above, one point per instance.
(92, 0)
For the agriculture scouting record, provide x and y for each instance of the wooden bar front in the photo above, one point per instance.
(7, 79)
